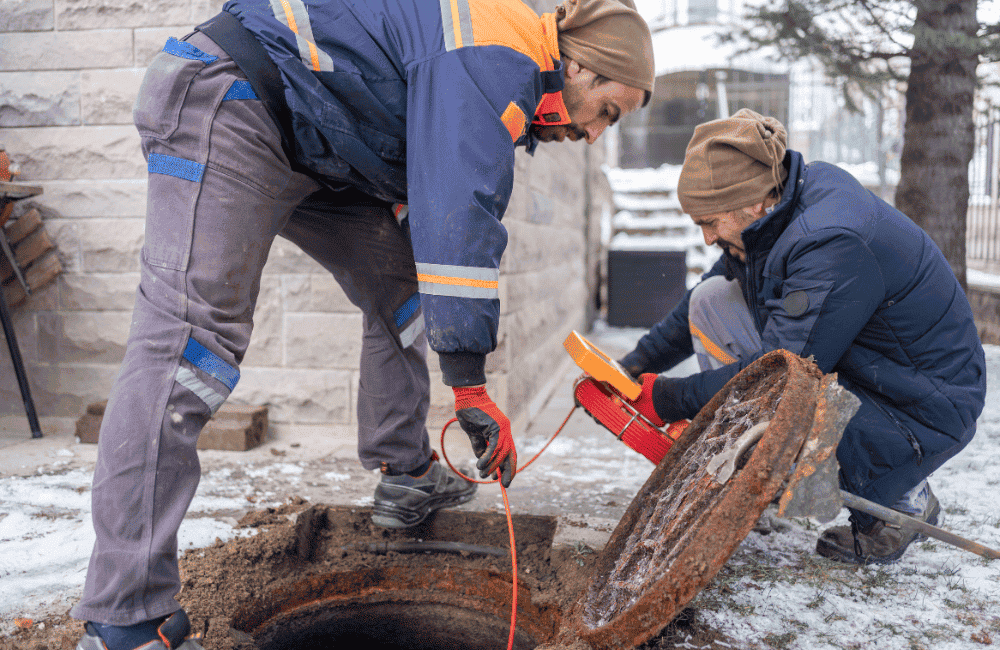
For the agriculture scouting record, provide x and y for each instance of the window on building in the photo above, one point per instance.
(702, 11)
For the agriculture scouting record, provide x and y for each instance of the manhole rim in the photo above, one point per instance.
(439, 586)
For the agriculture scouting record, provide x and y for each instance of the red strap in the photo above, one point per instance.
(551, 111)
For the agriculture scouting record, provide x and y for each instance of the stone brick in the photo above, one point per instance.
(298, 396)
(39, 99)
(111, 245)
(322, 340)
(101, 198)
(60, 390)
(97, 291)
(83, 337)
(265, 343)
(98, 14)
(107, 96)
(77, 152)
(532, 247)
(26, 15)
(314, 292)
(66, 235)
(202, 10)
(106, 48)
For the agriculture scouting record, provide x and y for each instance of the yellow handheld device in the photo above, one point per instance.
(599, 365)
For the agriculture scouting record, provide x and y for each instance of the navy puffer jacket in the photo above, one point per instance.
(835, 273)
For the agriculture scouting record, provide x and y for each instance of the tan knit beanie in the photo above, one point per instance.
(608, 37)
(732, 163)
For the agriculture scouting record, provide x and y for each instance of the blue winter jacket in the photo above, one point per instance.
(837, 274)
(421, 102)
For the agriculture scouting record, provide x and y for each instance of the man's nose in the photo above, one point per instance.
(710, 238)
(594, 132)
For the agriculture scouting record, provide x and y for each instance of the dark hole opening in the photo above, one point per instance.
(391, 626)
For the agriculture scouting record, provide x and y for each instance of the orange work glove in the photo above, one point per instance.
(489, 432)
(644, 403)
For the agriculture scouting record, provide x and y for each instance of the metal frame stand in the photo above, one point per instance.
(15, 357)
(10, 192)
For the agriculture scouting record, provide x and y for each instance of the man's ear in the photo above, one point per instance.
(572, 67)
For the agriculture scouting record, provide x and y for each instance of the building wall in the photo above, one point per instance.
(69, 74)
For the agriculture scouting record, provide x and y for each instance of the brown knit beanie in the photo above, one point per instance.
(608, 37)
(732, 163)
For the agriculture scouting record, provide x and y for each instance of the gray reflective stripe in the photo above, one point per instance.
(295, 16)
(186, 378)
(458, 281)
(458, 15)
(412, 331)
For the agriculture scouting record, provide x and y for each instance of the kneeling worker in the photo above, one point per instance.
(816, 264)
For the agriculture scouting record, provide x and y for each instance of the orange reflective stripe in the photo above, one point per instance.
(513, 118)
(290, 16)
(710, 346)
(464, 282)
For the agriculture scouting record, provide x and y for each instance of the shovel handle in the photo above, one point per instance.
(893, 517)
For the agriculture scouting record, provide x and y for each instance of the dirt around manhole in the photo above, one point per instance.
(304, 558)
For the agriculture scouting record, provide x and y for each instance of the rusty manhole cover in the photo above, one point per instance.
(682, 526)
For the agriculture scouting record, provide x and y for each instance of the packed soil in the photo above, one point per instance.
(290, 553)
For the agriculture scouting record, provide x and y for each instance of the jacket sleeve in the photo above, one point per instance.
(463, 118)
(832, 287)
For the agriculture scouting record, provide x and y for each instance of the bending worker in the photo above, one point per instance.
(378, 136)
(815, 264)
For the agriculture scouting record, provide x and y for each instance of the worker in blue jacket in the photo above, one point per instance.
(816, 264)
(379, 136)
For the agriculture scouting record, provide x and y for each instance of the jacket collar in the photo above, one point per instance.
(551, 111)
(761, 235)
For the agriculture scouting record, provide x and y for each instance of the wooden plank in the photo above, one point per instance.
(37, 276)
(23, 226)
(17, 191)
(26, 252)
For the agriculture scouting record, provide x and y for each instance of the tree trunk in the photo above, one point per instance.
(934, 168)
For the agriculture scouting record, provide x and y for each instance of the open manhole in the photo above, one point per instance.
(324, 577)
(394, 607)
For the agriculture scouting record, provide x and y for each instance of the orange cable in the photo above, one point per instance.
(506, 506)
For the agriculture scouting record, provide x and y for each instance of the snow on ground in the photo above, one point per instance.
(774, 591)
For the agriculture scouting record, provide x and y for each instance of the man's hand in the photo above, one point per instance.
(644, 403)
(634, 363)
(489, 432)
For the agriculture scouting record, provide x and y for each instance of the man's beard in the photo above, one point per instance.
(734, 252)
(558, 133)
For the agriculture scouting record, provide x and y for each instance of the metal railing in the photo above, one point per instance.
(982, 226)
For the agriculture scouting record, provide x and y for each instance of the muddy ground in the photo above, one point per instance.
(239, 594)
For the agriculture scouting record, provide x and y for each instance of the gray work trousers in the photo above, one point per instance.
(220, 190)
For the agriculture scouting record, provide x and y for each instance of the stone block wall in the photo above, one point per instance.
(69, 74)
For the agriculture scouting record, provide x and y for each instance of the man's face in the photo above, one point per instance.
(725, 228)
(594, 104)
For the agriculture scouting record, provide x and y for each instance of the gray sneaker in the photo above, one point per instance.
(881, 544)
(404, 501)
(175, 634)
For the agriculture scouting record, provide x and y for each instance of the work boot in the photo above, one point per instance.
(174, 633)
(881, 543)
(404, 501)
